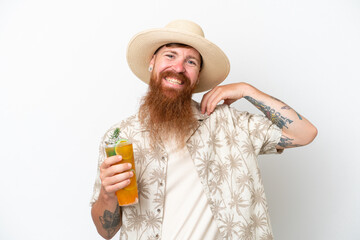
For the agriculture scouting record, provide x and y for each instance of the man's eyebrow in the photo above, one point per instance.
(188, 56)
(171, 51)
(191, 56)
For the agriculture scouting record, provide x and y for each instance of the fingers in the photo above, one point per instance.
(229, 93)
(205, 100)
(108, 162)
(114, 169)
(115, 175)
(117, 182)
(211, 99)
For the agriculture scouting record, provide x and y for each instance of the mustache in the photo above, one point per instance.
(180, 76)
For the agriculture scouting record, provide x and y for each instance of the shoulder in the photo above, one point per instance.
(225, 110)
(246, 119)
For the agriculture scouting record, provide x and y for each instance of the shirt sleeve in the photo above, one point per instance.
(97, 184)
(264, 134)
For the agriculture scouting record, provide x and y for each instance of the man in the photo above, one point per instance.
(196, 165)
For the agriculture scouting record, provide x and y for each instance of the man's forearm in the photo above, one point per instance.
(106, 215)
(297, 130)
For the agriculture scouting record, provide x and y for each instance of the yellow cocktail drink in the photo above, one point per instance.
(129, 194)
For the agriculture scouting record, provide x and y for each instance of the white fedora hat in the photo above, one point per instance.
(142, 46)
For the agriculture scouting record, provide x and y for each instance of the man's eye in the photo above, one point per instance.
(191, 62)
(169, 55)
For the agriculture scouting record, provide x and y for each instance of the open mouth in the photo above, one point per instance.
(174, 81)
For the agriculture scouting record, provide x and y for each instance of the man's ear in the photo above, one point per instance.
(152, 61)
(198, 78)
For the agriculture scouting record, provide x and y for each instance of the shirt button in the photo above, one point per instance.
(157, 235)
(161, 184)
(163, 158)
(158, 210)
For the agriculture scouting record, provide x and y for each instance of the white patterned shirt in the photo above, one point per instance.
(224, 149)
(187, 214)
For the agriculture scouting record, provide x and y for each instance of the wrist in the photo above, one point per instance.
(108, 199)
(247, 89)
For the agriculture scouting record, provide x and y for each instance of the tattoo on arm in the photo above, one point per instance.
(110, 221)
(287, 107)
(287, 142)
(270, 113)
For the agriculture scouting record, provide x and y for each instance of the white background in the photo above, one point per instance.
(64, 80)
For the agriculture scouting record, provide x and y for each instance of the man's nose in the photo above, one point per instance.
(178, 66)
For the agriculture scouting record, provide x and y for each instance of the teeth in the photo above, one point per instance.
(173, 80)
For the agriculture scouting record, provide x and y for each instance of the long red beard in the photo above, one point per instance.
(166, 111)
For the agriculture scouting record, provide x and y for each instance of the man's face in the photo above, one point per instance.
(173, 65)
(166, 108)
